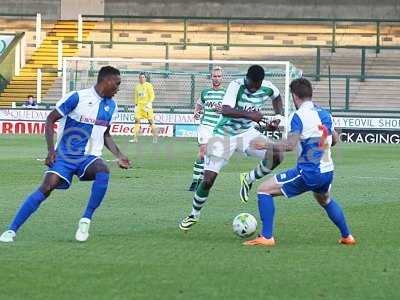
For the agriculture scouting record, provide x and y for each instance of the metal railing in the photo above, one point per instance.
(333, 24)
(317, 74)
(38, 26)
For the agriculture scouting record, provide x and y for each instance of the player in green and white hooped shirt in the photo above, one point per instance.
(235, 131)
(208, 108)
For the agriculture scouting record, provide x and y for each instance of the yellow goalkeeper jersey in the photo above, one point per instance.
(144, 94)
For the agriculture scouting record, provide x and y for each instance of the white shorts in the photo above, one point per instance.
(204, 133)
(221, 148)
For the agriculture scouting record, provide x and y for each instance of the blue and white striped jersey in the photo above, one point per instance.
(86, 117)
(315, 126)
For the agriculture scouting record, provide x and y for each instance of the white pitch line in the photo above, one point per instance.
(376, 178)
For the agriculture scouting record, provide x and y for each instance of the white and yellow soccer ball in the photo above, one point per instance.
(244, 224)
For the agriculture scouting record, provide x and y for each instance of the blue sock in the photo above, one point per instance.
(27, 208)
(99, 189)
(336, 215)
(266, 207)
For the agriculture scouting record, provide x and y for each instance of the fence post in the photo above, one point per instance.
(59, 57)
(184, 33)
(347, 100)
(378, 37)
(64, 78)
(318, 64)
(17, 59)
(22, 53)
(192, 90)
(91, 48)
(228, 33)
(362, 64)
(80, 31)
(111, 31)
(72, 82)
(38, 30)
(333, 49)
(330, 87)
(210, 57)
(39, 85)
(166, 56)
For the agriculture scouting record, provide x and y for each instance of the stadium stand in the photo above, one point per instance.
(45, 58)
(294, 43)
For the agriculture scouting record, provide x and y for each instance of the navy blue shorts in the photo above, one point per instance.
(68, 166)
(295, 182)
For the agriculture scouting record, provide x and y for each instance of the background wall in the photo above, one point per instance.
(70, 9)
(53, 9)
(50, 9)
(260, 8)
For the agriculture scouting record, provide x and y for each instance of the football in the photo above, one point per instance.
(244, 224)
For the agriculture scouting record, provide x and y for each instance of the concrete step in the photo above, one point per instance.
(28, 78)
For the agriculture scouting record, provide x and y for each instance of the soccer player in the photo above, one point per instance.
(209, 106)
(85, 117)
(144, 97)
(241, 107)
(311, 128)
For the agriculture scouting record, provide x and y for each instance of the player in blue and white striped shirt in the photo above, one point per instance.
(85, 118)
(311, 129)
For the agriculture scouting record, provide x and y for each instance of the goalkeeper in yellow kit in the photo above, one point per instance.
(144, 97)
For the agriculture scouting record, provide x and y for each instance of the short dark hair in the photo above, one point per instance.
(302, 88)
(255, 73)
(142, 73)
(105, 72)
(29, 96)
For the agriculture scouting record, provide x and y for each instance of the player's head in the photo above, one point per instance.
(254, 77)
(142, 77)
(216, 76)
(301, 90)
(109, 80)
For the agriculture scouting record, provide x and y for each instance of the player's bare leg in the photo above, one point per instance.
(198, 168)
(199, 199)
(136, 132)
(335, 213)
(99, 173)
(154, 131)
(30, 205)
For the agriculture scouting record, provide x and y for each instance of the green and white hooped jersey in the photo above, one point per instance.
(238, 97)
(210, 100)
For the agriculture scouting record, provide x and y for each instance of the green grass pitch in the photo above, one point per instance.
(136, 250)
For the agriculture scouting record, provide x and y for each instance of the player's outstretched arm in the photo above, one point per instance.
(228, 111)
(278, 105)
(285, 145)
(123, 161)
(197, 111)
(51, 119)
(335, 138)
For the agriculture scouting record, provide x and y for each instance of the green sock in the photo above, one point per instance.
(199, 199)
(259, 172)
(198, 169)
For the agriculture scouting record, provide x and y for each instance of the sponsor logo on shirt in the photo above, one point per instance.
(89, 120)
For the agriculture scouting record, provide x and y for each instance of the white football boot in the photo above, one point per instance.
(8, 236)
(82, 234)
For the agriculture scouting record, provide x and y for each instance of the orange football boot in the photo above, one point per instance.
(349, 240)
(260, 241)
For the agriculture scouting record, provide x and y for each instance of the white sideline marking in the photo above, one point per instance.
(376, 178)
